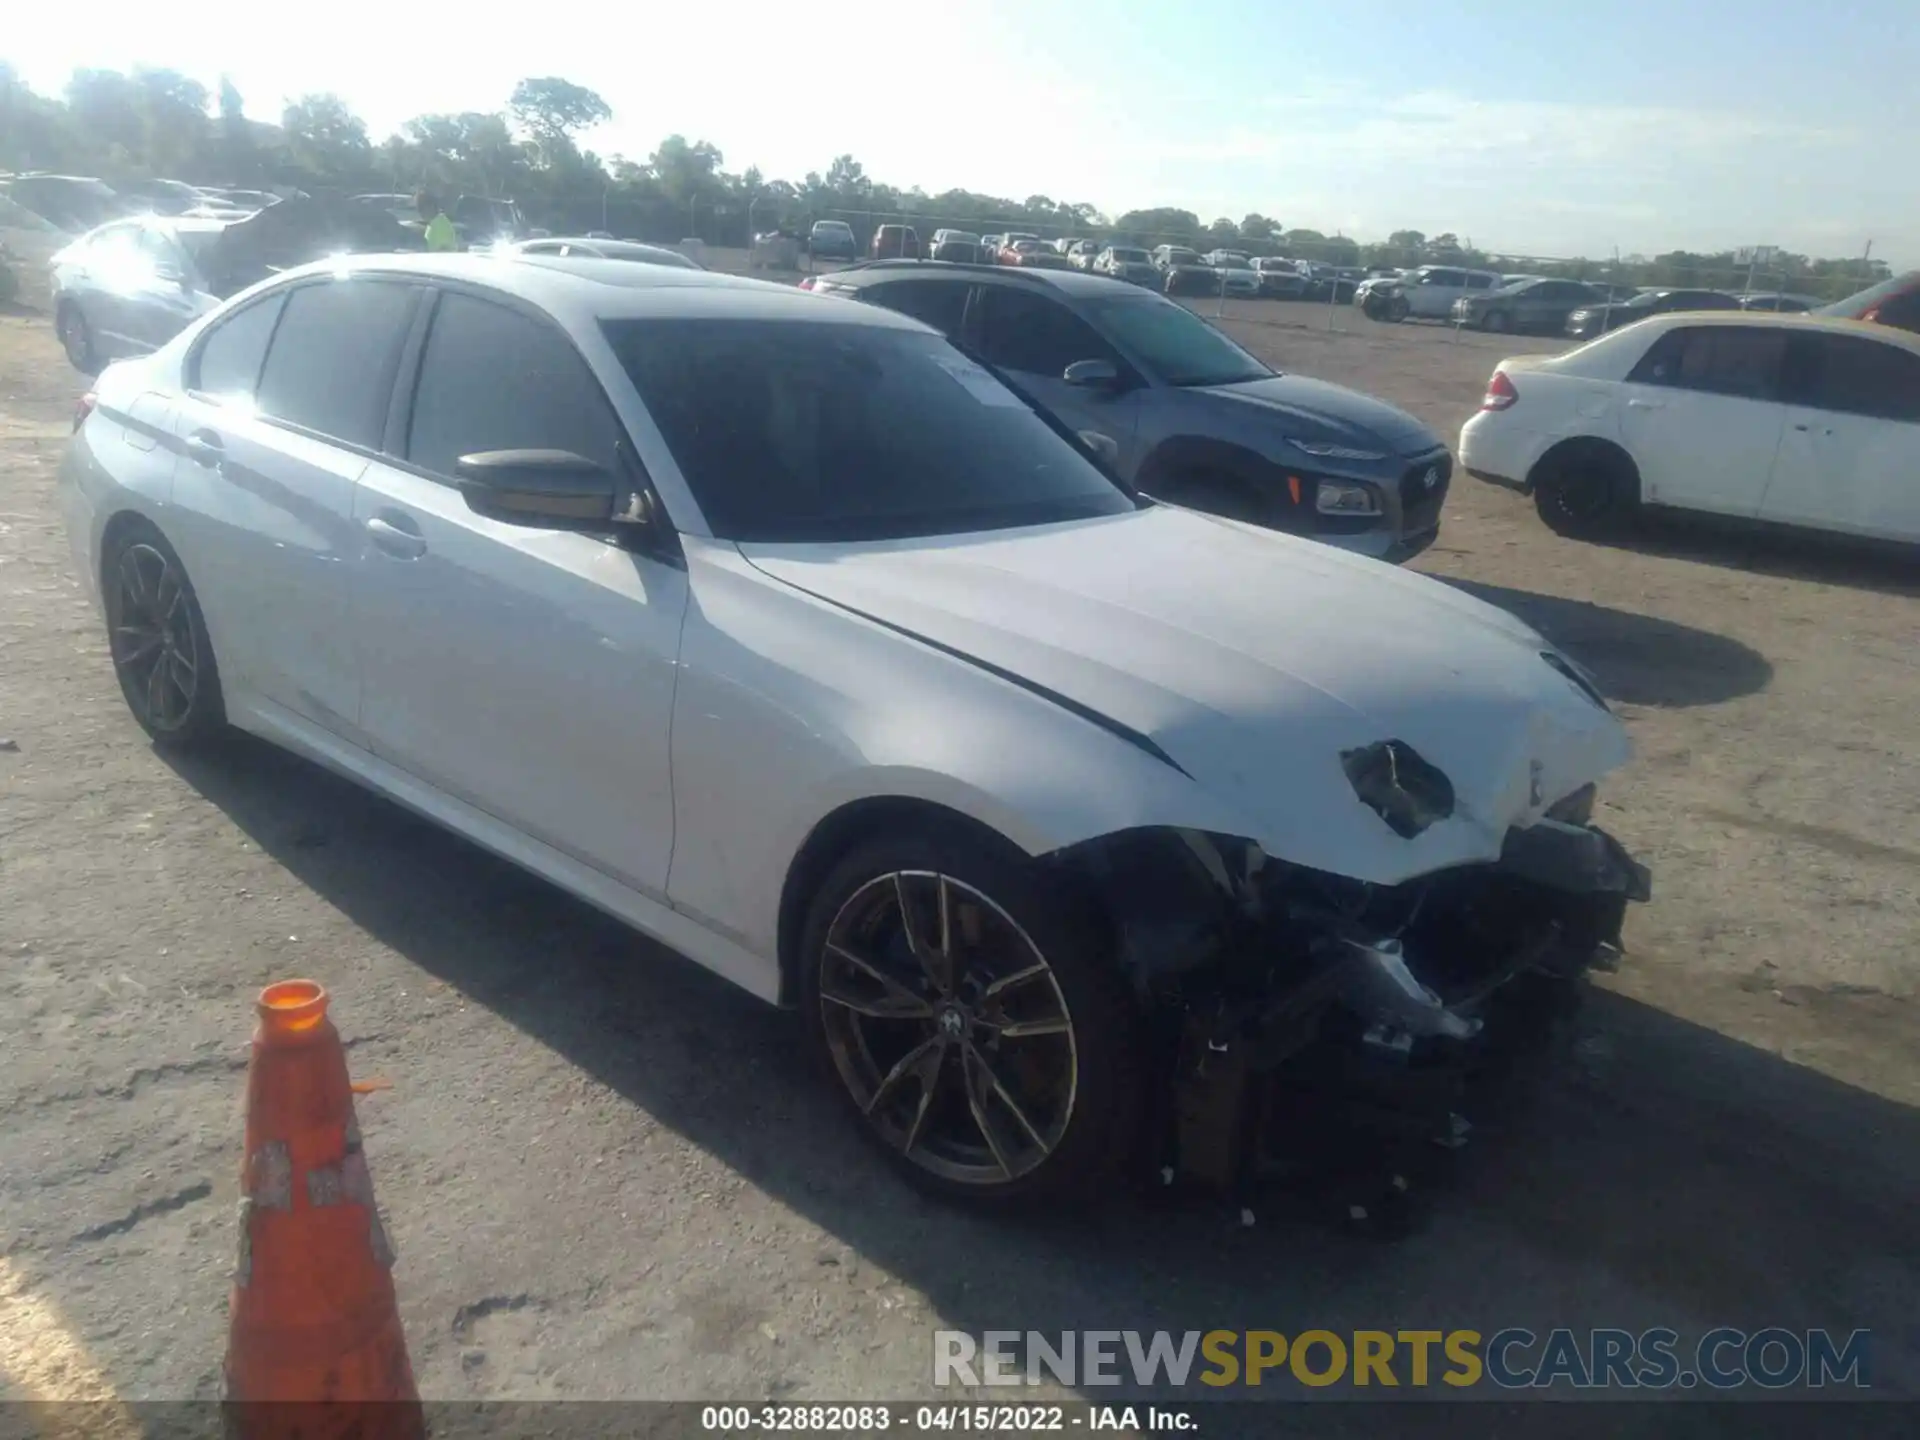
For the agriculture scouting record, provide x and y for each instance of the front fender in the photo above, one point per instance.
(789, 708)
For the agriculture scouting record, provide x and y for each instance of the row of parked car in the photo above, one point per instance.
(1486, 300)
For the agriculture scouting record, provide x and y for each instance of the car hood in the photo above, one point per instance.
(1253, 661)
(1319, 407)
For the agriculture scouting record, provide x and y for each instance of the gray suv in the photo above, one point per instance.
(1176, 408)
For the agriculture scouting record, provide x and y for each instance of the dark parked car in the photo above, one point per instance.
(1183, 272)
(832, 240)
(1894, 302)
(956, 245)
(1034, 255)
(1594, 320)
(73, 203)
(894, 242)
(1528, 305)
(1178, 409)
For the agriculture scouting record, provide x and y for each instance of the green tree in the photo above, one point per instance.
(550, 109)
(686, 172)
(326, 138)
(1257, 229)
(173, 110)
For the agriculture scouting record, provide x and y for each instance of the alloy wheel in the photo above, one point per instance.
(948, 1027)
(150, 629)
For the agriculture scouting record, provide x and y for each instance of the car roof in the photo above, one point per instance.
(1658, 325)
(583, 290)
(1075, 282)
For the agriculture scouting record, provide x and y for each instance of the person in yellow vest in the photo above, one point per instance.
(440, 232)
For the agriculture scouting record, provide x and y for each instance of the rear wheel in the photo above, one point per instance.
(1586, 490)
(970, 1016)
(1497, 322)
(1398, 309)
(158, 638)
(76, 337)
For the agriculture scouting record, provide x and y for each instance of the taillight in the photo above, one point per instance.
(1500, 393)
(84, 409)
(807, 284)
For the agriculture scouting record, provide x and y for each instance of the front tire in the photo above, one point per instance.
(1497, 322)
(158, 639)
(968, 1013)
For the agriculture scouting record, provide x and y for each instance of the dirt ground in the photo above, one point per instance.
(609, 1175)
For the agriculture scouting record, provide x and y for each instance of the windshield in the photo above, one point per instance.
(1173, 342)
(810, 431)
(1181, 257)
(832, 227)
(1234, 262)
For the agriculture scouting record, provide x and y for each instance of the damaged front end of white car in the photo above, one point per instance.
(1328, 1030)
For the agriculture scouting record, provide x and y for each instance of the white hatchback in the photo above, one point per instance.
(1779, 418)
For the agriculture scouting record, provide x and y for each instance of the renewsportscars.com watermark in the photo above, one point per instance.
(1511, 1359)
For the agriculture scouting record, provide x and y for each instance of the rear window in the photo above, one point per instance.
(797, 431)
(331, 366)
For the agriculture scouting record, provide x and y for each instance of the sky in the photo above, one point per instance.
(1552, 129)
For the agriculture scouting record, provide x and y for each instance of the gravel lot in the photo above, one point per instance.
(609, 1175)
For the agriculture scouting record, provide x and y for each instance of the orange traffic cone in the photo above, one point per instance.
(314, 1345)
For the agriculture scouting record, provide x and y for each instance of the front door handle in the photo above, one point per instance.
(206, 448)
(1646, 404)
(403, 544)
(1810, 429)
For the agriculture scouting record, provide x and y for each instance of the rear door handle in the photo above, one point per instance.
(206, 448)
(1820, 430)
(400, 539)
(1646, 404)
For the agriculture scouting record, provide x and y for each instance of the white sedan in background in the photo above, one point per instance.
(1779, 418)
(787, 633)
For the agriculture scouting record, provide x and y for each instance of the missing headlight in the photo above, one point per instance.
(1398, 786)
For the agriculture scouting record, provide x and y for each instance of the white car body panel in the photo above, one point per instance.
(1255, 708)
(1723, 454)
(667, 739)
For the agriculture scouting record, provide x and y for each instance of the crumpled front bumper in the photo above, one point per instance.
(1368, 1047)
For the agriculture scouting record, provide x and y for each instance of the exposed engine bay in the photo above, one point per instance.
(1315, 1026)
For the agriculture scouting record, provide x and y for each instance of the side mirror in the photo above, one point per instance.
(1092, 375)
(553, 489)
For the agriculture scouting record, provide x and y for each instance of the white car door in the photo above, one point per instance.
(275, 436)
(527, 672)
(1850, 453)
(1701, 416)
(1432, 296)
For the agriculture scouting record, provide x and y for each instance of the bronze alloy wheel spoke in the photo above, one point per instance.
(898, 1002)
(977, 1096)
(970, 1072)
(915, 1063)
(998, 1088)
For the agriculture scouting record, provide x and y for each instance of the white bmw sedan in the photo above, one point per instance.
(1785, 419)
(788, 634)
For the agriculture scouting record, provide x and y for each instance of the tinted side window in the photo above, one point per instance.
(939, 303)
(228, 364)
(1719, 361)
(494, 379)
(1859, 377)
(1034, 334)
(330, 369)
(1482, 282)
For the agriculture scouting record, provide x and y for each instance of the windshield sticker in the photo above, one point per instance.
(979, 384)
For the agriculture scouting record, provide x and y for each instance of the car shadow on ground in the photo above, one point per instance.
(1638, 659)
(1660, 1174)
(1824, 559)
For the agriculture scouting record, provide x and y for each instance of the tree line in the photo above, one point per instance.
(155, 122)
